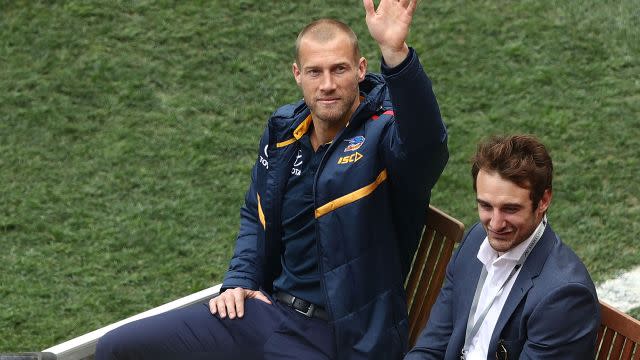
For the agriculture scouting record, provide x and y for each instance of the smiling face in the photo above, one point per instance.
(506, 210)
(328, 72)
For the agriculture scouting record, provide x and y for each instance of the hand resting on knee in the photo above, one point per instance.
(231, 302)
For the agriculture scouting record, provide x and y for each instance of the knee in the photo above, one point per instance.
(113, 345)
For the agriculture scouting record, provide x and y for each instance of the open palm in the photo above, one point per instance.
(389, 23)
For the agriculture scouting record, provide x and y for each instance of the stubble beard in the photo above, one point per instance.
(333, 114)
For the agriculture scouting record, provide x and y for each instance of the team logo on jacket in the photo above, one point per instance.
(354, 143)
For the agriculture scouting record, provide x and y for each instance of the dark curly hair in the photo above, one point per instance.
(521, 159)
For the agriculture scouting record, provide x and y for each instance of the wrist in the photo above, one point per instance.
(394, 56)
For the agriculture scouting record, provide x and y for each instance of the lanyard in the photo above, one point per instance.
(472, 328)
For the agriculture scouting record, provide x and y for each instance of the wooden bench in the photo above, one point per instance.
(441, 233)
(619, 335)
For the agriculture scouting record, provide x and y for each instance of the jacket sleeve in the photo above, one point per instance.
(414, 149)
(417, 139)
(245, 268)
(564, 325)
(432, 342)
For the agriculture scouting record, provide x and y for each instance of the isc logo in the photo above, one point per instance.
(350, 158)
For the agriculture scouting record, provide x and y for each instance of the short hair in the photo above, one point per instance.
(521, 159)
(324, 30)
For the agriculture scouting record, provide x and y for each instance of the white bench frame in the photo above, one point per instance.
(84, 346)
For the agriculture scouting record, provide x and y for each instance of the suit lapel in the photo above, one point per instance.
(471, 282)
(531, 268)
(469, 272)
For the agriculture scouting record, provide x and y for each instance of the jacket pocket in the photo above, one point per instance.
(509, 349)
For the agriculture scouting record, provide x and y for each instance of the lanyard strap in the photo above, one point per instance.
(473, 327)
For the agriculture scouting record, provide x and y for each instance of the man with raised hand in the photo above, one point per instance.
(332, 216)
(513, 290)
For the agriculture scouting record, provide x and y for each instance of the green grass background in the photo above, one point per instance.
(128, 128)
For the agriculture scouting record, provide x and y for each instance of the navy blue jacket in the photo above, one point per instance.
(552, 311)
(371, 190)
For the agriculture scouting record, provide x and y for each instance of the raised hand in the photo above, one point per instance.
(389, 27)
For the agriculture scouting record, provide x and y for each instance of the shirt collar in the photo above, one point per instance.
(487, 255)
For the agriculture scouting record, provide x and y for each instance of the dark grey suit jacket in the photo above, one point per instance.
(552, 311)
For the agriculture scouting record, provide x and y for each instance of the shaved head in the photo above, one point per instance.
(325, 30)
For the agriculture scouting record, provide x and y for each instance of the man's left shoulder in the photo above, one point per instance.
(564, 266)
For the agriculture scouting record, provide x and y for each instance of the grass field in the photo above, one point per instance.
(128, 128)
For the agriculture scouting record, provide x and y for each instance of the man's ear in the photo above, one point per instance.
(545, 201)
(362, 68)
(296, 72)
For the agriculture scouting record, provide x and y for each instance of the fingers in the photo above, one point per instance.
(238, 301)
(412, 7)
(409, 5)
(213, 307)
(229, 303)
(368, 7)
(258, 295)
(216, 306)
(222, 308)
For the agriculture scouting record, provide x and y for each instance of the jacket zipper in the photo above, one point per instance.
(331, 148)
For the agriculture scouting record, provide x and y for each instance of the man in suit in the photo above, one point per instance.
(513, 290)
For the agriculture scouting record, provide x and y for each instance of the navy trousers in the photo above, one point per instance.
(267, 331)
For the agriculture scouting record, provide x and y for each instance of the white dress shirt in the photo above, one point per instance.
(498, 269)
